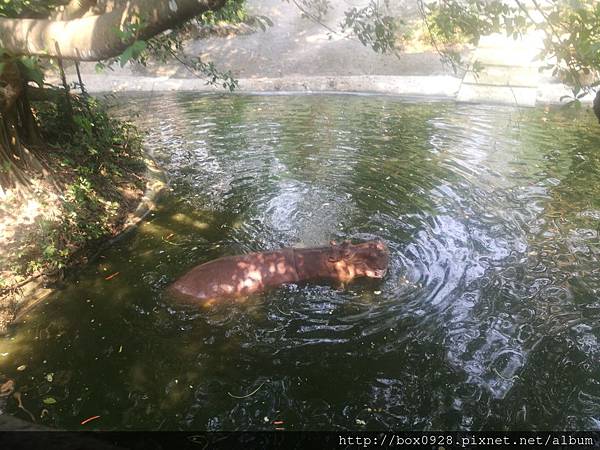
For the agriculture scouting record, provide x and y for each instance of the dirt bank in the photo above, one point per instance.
(93, 189)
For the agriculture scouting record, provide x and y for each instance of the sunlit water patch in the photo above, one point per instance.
(488, 316)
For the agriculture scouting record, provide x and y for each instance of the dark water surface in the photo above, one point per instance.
(489, 316)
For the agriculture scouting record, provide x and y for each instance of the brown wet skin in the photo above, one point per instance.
(239, 276)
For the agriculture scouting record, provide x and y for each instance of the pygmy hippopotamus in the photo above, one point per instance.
(238, 276)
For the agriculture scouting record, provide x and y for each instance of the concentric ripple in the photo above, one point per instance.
(488, 317)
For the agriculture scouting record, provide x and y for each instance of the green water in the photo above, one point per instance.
(488, 317)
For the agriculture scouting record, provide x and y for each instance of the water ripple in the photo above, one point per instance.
(487, 317)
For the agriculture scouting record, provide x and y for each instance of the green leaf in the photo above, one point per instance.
(49, 251)
(49, 401)
(138, 47)
(28, 62)
(31, 71)
(132, 52)
(125, 56)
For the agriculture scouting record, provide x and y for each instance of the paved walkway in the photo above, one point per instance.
(510, 73)
(298, 55)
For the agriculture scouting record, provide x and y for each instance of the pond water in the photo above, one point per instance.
(488, 318)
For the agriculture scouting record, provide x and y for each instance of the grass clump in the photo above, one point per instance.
(93, 178)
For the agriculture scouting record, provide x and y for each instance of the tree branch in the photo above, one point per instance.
(73, 10)
(95, 38)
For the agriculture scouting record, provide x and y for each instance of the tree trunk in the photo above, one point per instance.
(18, 130)
(95, 38)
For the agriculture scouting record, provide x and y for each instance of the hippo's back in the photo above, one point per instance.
(234, 276)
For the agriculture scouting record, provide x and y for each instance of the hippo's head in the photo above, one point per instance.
(368, 259)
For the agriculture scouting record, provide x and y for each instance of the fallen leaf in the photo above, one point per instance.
(21, 368)
(89, 419)
(110, 277)
(7, 388)
(49, 401)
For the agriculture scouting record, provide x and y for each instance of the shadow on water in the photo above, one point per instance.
(488, 317)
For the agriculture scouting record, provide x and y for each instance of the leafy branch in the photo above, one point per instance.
(571, 31)
(164, 46)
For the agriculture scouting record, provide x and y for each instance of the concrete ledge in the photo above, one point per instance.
(504, 75)
(506, 95)
(441, 86)
(551, 93)
(435, 86)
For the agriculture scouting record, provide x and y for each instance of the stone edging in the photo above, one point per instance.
(436, 86)
(156, 186)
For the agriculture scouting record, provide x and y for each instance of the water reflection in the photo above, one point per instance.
(488, 316)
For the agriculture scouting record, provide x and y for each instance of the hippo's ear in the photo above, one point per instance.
(336, 253)
(346, 249)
